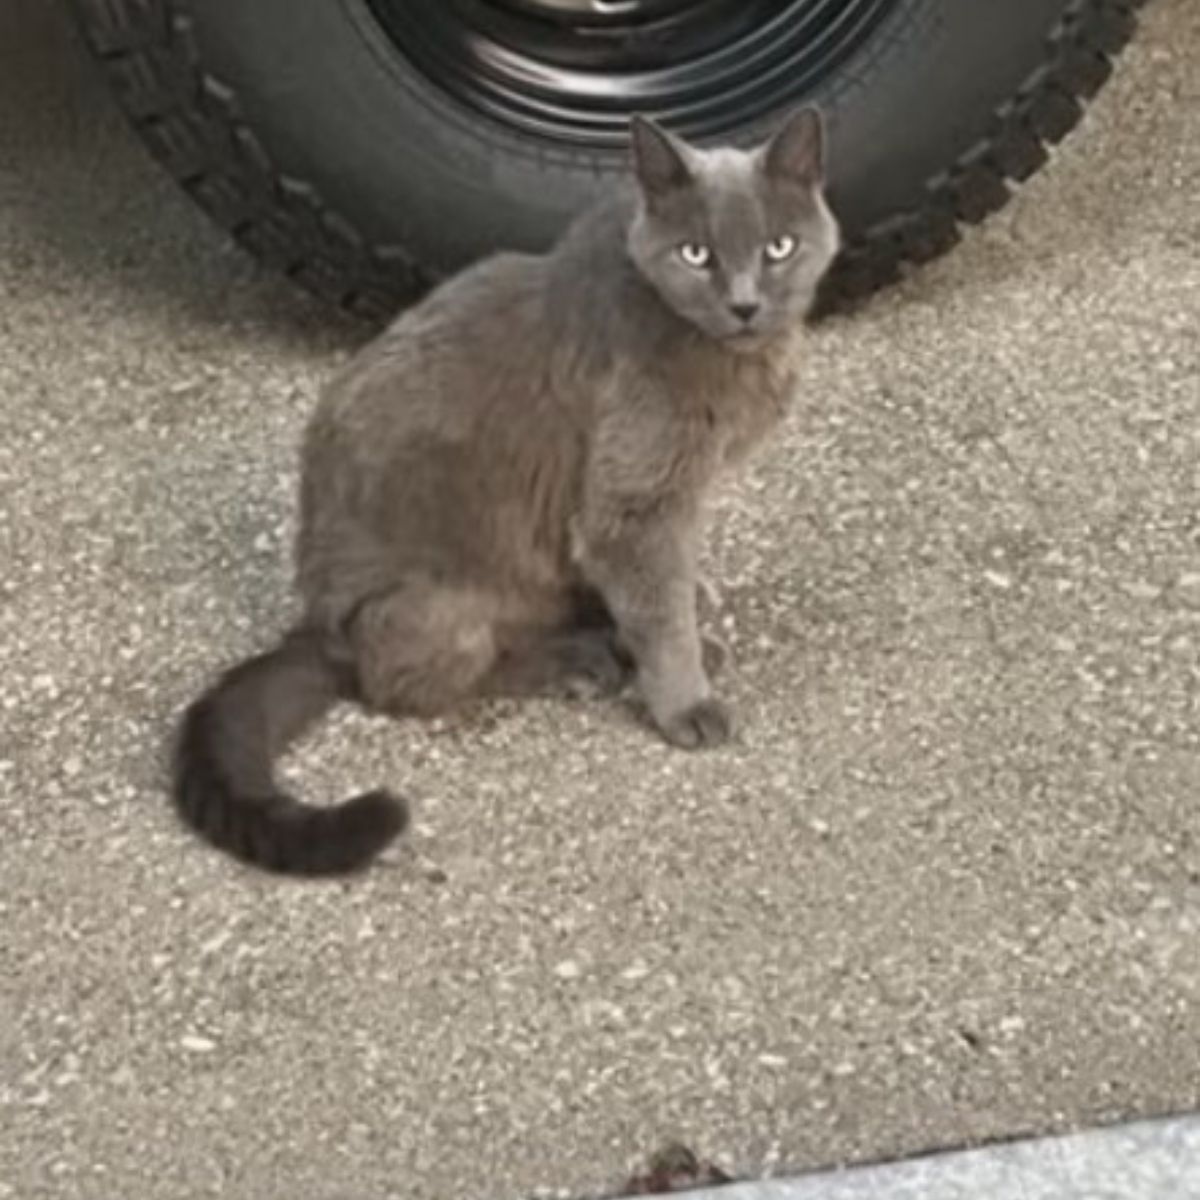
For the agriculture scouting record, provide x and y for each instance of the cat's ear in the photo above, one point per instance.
(659, 160)
(796, 153)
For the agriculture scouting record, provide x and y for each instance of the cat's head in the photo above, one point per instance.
(735, 241)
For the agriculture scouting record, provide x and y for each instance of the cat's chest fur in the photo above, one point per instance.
(731, 399)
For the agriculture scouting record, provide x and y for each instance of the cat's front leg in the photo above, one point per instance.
(646, 572)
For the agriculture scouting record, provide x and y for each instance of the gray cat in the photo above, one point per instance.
(505, 491)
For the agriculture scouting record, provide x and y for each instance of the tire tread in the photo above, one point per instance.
(192, 123)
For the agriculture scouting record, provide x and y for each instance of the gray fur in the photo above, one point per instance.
(524, 460)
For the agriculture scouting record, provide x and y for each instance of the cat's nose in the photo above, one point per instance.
(745, 311)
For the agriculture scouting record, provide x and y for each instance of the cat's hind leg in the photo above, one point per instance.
(577, 662)
(423, 647)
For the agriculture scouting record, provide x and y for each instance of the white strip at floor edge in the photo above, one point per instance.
(1141, 1160)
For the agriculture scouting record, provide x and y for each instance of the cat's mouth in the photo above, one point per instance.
(753, 332)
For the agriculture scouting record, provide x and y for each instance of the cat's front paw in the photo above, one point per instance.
(704, 724)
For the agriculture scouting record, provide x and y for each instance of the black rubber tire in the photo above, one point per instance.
(300, 129)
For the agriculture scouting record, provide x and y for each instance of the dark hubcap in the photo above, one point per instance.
(594, 10)
(574, 70)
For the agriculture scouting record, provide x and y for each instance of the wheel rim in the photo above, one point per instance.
(573, 70)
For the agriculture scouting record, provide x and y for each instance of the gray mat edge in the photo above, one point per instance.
(1142, 1160)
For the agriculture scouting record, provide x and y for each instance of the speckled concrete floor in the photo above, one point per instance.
(944, 887)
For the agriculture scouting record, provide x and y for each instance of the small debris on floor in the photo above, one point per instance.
(675, 1168)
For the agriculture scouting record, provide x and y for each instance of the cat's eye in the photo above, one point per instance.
(780, 248)
(696, 255)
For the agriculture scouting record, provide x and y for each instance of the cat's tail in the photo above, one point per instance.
(224, 783)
